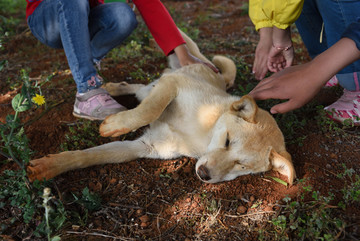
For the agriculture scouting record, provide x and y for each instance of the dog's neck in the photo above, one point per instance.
(208, 114)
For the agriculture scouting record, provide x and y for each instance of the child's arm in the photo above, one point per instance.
(299, 84)
(164, 30)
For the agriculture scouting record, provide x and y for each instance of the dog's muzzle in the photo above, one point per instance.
(203, 173)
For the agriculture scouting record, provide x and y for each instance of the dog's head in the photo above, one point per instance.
(246, 140)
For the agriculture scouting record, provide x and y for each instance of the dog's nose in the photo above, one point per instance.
(203, 173)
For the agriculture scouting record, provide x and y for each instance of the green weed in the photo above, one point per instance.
(81, 135)
(58, 220)
(9, 23)
(244, 9)
(91, 201)
(351, 189)
(16, 192)
(131, 50)
(12, 6)
(81, 205)
(311, 220)
(14, 143)
(3, 63)
(316, 218)
(327, 125)
(15, 189)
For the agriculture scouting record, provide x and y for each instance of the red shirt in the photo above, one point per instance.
(155, 15)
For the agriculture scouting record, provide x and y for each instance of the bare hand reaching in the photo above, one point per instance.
(297, 84)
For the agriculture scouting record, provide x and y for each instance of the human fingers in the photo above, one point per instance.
(285, 107)
(260, 68)
(275, 63)
(261, 71)
(288, 57)
(264, 83)
(272, 67)
(275, 66)
(262, 92)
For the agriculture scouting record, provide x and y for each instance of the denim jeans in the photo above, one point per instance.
(331, 18)
(85, 34)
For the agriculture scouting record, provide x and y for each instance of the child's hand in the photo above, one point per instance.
(185, 58)
(297, 84)
(260, 67)
(280, 58)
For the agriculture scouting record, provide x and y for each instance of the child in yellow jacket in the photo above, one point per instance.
(321, 25)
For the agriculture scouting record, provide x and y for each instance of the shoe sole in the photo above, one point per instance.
(87, 117)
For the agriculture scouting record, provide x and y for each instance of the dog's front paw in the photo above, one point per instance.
(40, 169)
(113, 126)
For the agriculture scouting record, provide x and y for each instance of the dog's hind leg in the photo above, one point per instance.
(115, 152)
(146, 112)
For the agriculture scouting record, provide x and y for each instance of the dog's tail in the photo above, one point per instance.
(227, 68)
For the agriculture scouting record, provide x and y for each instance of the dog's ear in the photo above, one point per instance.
(283, 164)
(246, 108)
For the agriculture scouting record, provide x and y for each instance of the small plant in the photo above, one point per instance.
(351, 191)
(89, 200)
(3, 63)
(46, 198)
(131, 50)
(244, 9)
(290, 123)
(307, 220)
(14, 142)
(81, 135)
(325, 122)
(16, 190)
(11, 6)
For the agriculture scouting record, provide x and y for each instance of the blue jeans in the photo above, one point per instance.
(336, 15)
(85, 34)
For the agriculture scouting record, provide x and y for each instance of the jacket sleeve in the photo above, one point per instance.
(160, 24)
(278, 13)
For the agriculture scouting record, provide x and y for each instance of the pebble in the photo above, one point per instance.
(145, 218)
(241, 209)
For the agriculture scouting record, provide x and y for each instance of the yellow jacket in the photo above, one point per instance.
(278, 13)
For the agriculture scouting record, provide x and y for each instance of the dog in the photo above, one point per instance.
(189, 113)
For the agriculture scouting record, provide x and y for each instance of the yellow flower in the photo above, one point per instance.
(38, 99)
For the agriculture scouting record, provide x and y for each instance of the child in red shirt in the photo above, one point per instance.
(87, 30)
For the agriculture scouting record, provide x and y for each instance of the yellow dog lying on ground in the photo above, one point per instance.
(190, 114)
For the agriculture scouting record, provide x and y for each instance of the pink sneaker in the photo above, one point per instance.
(332, 82)
(96, 105)
(346, 108)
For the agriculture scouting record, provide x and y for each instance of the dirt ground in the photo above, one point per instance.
(164, 200)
